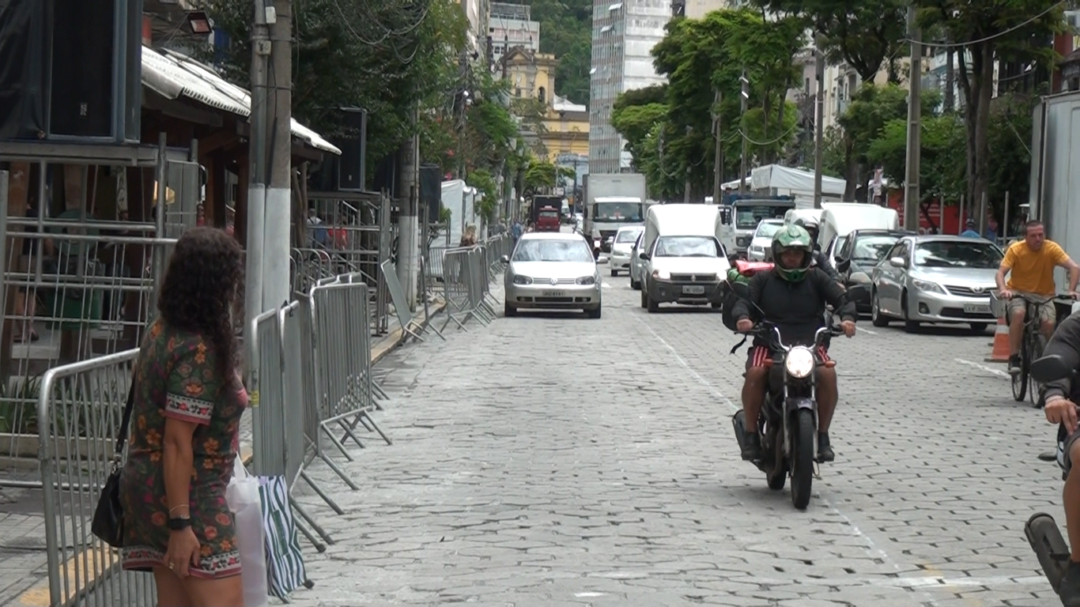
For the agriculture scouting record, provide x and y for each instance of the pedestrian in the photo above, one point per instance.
(468, 239)
(187, 403)
(970, 232)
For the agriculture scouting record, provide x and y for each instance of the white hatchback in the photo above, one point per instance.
(622, 248)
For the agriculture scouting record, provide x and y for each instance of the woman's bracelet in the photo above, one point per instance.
(175, 508)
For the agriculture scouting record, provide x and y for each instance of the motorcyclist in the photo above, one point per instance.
(812, 227)
(1061, 397)
(791, 296)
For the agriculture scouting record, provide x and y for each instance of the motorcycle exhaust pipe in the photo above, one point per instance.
(739, 422)
(1050, 547)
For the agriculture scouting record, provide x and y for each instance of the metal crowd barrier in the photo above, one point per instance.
(79, 409)
(409, 324)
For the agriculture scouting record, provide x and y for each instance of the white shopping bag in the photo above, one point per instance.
(242, 496)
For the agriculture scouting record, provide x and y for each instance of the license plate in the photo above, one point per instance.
(692, 290)
(552, 294)
(976, 308)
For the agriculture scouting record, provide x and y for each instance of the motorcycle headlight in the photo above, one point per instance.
(587, 280)
(661, 274)
(522, 280)
(799, 363)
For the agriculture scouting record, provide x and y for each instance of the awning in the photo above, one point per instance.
(174, 75)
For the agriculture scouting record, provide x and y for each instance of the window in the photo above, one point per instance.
(542, 95)
(872, 247)
(956, 254)
(536, 249)
(627, 236)
(687, 246)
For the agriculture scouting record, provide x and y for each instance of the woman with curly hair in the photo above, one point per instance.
(188, 400)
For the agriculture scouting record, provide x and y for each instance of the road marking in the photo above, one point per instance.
(862, 330)
(916, 582)
(605, 285)
(989, 370)
(717, 393)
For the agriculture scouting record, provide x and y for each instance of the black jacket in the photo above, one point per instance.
(1065, 343)
(798, 308)
(819, 261)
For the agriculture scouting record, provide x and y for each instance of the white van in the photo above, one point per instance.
(684, 262)
(842, 218)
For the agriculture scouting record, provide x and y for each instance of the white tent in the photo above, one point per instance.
(776, 180)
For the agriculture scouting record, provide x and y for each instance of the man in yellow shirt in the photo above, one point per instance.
(1032, 262)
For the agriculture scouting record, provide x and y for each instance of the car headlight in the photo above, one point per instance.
(926, 286)
(661, 274)
(799, 363)
(522, 280)
(587, 280)
(757, 249)
(860, 277)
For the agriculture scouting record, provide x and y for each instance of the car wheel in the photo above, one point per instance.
(910, 326)
(635, 285)
(509, 310)
(876, 317)
(653, 306)
(594, 313)
(644, 295)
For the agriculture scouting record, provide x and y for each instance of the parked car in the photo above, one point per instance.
(936, 279)
(553, 270)
(637, 264)
(761, 243)
(859, 253)
(621, 247)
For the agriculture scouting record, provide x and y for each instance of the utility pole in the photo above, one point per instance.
(256, 201)
(686, 189)
(745, 97)
(407, 266)
(718, 155)
(276, 239)
(914, 144)
(819, 120)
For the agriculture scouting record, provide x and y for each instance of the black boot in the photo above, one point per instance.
(824, 449)
(1069, 591)
(752, 448)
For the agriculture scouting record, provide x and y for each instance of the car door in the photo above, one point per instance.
(891, 281)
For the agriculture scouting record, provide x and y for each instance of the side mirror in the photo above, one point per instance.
(843, 265)
(643, 256)
(505, 259)
(1050, 368)
(858, 293)
(602, 259)
(898, 262)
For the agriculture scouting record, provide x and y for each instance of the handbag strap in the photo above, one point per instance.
(121, 439)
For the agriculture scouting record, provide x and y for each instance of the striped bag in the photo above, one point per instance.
(284, 561)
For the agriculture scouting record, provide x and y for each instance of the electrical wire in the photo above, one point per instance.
(987, 38)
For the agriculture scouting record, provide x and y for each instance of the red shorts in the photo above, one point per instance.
(759, 354)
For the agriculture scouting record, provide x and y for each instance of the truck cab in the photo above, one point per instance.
(736, 222)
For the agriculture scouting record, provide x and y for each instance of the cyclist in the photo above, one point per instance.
(1060, 398)
(1032, 262)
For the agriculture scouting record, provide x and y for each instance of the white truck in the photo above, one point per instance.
(612, 201)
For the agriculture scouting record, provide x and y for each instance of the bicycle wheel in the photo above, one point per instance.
(1035, 351)
(1020, 377)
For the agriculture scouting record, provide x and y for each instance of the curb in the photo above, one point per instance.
(38, 594)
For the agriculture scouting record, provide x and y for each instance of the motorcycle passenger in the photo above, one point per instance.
(1032, 262)
(812, 227)
(792, 296)
(1061, 397)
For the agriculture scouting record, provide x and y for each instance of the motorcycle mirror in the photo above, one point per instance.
(1050, 368)
(856, 292)
(843, 265)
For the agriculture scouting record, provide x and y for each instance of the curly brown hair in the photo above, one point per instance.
(201, 283)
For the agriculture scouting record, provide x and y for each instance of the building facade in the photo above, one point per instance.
(563, 127)
(623, 36)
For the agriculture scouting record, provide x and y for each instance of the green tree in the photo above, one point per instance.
(484, 182)
(635, 122)
(941, 171)
(862, 33)
(989, 30)
(566, 32)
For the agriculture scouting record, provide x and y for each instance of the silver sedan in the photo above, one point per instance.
(552, 270)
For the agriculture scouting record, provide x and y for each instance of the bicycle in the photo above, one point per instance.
(1032, 346)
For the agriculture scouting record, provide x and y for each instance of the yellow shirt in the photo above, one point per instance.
(1033, 271)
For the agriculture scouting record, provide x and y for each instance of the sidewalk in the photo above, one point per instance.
(23, 559)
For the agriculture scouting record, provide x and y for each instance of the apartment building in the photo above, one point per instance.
(509, 26)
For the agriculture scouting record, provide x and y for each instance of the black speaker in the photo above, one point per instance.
(352, 173)
(80, 77)
(431, 190)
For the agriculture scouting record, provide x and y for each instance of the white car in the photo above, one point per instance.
(637, 264)
(621, 248)
(762, 240)
(552, 270)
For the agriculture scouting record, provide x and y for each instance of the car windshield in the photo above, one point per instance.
(616, 211)
(537, 249)
(958, 254)
(748, 217)
(767, 229)
(873, 247)
(627, 236)
(687, 246)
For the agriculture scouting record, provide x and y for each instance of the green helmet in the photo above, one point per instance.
(792, 237)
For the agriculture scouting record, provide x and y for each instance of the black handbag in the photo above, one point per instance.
(108, 523)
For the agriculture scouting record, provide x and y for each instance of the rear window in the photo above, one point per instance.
(550, 214)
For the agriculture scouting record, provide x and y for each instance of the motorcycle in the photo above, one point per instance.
(1041, 529)
(788, 422)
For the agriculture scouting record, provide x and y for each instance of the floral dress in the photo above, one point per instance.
(177, 377)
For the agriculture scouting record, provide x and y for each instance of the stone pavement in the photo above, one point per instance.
(555, 460)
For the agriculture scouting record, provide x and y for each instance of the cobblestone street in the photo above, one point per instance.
(556, 460)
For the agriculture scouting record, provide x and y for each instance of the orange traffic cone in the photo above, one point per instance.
(1000, 353)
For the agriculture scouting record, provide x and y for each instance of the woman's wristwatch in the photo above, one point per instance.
(178, 524)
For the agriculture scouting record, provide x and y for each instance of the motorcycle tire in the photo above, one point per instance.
(802, 458)
(1053, 553)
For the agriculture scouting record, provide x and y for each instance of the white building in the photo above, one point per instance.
(511, 25)
(623, 36)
